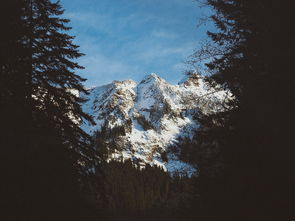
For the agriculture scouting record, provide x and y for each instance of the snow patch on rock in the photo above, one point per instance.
(154, 115)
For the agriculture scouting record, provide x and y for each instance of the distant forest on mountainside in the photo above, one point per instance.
(52, 169)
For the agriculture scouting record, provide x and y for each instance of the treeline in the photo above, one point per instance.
(123, 191)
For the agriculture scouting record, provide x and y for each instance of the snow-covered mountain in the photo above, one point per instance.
(141, 121)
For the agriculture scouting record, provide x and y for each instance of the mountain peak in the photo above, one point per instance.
(152, 75)
(142, 121)
(151, 78)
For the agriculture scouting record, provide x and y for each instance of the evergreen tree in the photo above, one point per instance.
(13, 72)
(252, 53)
(54, 82)
(46, 155)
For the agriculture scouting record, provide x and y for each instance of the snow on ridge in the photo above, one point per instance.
(153, 114)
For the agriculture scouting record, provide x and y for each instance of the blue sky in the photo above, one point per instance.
(128, 39)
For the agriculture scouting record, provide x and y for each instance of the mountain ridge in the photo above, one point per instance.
(140, 121)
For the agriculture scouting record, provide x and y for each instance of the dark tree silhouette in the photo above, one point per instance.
(251, 53)
(45, 154)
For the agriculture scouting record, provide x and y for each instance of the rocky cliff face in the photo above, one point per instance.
(141, 121)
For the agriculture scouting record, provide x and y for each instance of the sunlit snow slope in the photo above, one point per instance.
(141, 121)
